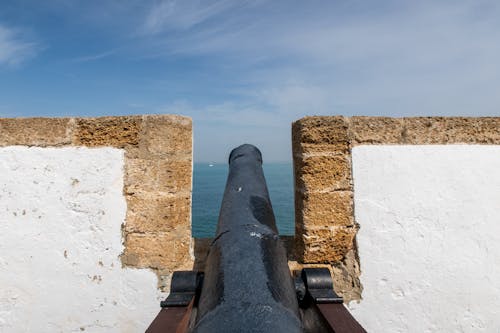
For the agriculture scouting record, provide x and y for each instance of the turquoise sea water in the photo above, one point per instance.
(208, 188)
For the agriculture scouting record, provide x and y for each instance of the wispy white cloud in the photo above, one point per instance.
(94, 57)
(14, 49)
(292, 60)
(402, 58)
(417, 33)
(169, 15)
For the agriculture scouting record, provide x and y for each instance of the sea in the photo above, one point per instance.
(209, 181)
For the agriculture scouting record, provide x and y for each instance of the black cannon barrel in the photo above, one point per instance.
(247, 285)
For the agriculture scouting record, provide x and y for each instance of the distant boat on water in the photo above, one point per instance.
(210, 165)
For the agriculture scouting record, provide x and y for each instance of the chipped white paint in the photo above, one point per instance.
(61, 211)
(429, 242)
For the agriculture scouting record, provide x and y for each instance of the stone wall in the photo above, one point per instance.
(156, 184)
(157, 178)
(325, 224)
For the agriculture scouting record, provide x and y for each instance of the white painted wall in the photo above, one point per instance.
(429, 242)
(61, 211)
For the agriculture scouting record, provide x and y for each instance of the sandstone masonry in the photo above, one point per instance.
(158, 178)
(325, 225)
(157, 183)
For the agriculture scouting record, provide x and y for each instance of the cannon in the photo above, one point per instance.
(246, 285)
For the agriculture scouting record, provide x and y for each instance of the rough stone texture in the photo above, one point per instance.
(313, 149)
(164, 136)
(325, 244)
(158, 190)
(117, 132)
(473, 130)
(453, 130)
(324, 173)
(321, 130)
(40, 132)
(158, 250)
(371, 130)
(154, 212)
(424, 130)
(157, 175)
(324, 230)
(328, 209)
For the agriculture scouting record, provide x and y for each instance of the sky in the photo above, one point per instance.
(245, 70)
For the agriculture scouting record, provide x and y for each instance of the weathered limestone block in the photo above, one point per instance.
(167, 135)
(321, 130)
(312, 149)
(473, 130)
(327, 209)
(374, 130)
(424, 130)
(324, 244)
(323, 173)
(41, 132)
(157, 212)
(158, 191)
(117, 132)
(451, 130)
(159, 251)
(490, 129)
(157, 175)
(323, 195)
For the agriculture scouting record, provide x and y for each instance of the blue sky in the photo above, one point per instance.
(244, 70)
